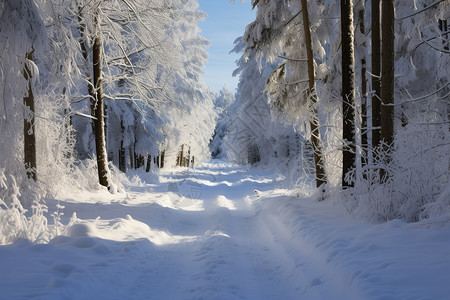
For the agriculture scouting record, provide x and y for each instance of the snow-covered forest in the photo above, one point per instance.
(324, 175)
(313, 102)
(102, 87)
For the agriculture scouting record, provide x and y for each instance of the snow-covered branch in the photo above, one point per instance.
(421, 10)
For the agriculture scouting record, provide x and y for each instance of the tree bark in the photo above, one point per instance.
(387, 79)
(29, 130)
(182, 155)
(376, 72)
(364, 139)
(149, 163)
(444, 28)
(100, 144)
(348, 91)
(312, 97)
(84, 52)
(162, 158)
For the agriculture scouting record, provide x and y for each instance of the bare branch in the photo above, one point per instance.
(432, 38)
(420, 11)
(420, 98)
(435, 48)
(292, 59)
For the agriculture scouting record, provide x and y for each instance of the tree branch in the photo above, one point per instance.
(420, 98)
(420, 11)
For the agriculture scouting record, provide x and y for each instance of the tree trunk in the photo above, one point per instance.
(387, 78)
(29, 129)
(149, 163)
(188, 159)
(122, 159)
(84, 52)
(162, 159)
(312, 98)
(100, 145)
(348, 90)
(444, 28)
(182, 155)
(364, 139)
(376, 72)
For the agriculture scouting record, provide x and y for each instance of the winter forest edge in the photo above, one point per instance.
(91, 91)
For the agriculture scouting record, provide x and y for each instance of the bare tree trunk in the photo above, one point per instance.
(84, 52)
(182, 155)
(149, 163)
(376, 72)
(312, 96)
(122, 159)
(444, 28)
(387, 78)
(29, 129)
(100, 144)
(162, 158)
(188, 158)
(348, 90)
(364, 139)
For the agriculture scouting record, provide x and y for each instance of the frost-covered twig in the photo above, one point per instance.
(420, 98)
(293, 59)
(420, 11)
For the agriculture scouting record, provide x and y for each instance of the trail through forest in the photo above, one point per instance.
(223, 232)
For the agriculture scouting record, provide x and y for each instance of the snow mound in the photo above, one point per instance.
(82, 229)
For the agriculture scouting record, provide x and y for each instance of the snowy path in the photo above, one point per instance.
(222, 232)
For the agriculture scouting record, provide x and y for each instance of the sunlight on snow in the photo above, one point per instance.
(222, 201)
(128, 229)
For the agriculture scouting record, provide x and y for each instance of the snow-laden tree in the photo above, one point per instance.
(124, 39)
(254, 132)
(413, 162)
(222, 105)
(33, 68)
(295, 32)
(22, 37)
(190, 102)
(415, 96)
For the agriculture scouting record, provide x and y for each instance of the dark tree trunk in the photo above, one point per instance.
(348, 91)
(162, 159)
(364, 139)
(149, 163)
(29, 129)
(100, 144)
(312, 98)
(182, 156)
(444, 28)
(376, 72)
(188, 159)
(84, 52)
(387, 77)
(122, 159)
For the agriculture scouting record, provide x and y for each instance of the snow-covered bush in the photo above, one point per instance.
(15, 223)
(418, 174)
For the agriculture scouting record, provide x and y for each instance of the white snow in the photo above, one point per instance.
(223, 232)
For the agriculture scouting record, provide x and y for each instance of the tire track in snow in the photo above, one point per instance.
(235, 257)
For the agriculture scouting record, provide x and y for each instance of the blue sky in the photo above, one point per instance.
(226, 21)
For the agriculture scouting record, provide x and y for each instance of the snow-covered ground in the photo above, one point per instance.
(224, 232)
